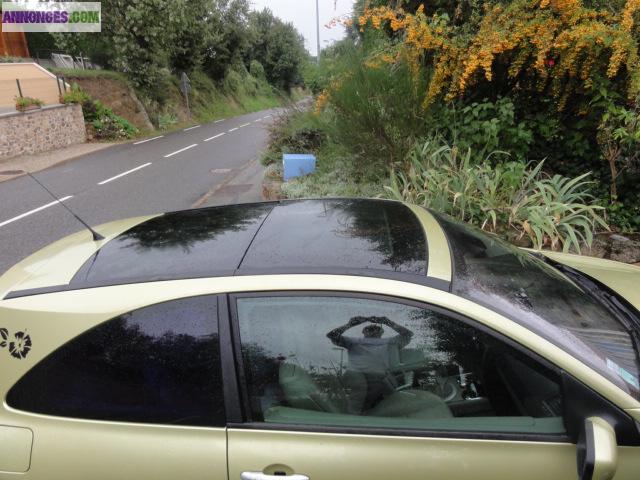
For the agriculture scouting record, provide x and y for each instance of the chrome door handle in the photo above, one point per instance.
(263, 476)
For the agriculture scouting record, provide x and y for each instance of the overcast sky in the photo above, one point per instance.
(302, 13)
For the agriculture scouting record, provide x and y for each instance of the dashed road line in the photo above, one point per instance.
(218, 121)
(124, 173)
(233, 129)
(191, 128)
(268, 116)
(257, 121)
(215, 136)
(148, 140)
(35, 210)
(180, 151)
(244, 125)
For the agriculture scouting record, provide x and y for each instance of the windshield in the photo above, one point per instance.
(532, 293)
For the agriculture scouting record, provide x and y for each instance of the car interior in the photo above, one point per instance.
(496, 389)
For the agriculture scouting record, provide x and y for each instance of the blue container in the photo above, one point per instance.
(297, 165)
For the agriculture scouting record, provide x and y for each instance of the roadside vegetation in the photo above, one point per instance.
(519, 117)
(237, 60)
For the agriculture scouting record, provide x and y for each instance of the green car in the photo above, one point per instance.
(316, 339)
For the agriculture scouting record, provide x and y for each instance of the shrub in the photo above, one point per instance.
(295, 132)
(113, 127)
(106, 124)
(23, 102)
(377, 108)
(256, 69)
(166, 120)
(485, 127)
(75, 95)
(512, 199)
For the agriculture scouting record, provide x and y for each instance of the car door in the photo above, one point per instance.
(137, 396)
(358, 386)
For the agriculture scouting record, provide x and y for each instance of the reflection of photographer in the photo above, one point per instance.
(370, 356)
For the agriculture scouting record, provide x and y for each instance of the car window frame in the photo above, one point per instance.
(244, 420)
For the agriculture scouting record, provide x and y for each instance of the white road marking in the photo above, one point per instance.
(233, 130)
(268, 116)
(191, 128)
(180, 151)
(215, 136)
(148, 140)
(221, 170)
(124, 173)
(245, 125)
(218, 121)
(258, 120)
(35, 210)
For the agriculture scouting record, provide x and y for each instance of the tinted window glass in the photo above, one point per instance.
(188, 244)
(522, 287)
(366, 363)
(155, 365)
(346, 233)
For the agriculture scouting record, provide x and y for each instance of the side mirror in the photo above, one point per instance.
(597, 450)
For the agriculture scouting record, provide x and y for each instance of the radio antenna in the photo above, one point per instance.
(96, 236)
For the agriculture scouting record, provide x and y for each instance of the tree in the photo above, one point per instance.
(193, 33)
(141, 45)
(229, 41)
(279, 47)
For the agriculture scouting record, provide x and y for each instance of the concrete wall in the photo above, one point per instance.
(41, 130)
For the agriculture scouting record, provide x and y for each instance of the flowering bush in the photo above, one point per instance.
(560, 47)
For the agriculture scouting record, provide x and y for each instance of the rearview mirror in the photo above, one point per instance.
(597, 450)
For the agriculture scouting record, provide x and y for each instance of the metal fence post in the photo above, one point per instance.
(58, 83)
(19, 88)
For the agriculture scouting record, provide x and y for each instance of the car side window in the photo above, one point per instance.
(158, 364)
(355, 362)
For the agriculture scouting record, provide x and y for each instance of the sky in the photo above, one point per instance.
(302, 13)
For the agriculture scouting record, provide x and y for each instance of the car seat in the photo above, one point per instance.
(302, 392)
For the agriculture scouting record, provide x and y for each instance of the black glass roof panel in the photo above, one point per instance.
(306, 236)
(189, 244)
(339, 234)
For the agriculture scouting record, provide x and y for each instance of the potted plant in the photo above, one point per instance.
(24, 104)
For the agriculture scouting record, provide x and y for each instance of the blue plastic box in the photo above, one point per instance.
(297, 165)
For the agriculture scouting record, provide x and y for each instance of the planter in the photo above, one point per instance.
(28, 108)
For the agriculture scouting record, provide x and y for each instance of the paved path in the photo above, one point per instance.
(205, 165)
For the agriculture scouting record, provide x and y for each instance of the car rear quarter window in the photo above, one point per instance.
(514, 283)
(159, 364)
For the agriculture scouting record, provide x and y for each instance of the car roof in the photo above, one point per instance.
(367, 237)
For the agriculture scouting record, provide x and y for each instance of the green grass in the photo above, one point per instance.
(305, 132)
(79, 73)
(209, 100)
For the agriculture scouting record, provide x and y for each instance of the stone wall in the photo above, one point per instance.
(41, 130)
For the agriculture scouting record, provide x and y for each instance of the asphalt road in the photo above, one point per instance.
(213, 163)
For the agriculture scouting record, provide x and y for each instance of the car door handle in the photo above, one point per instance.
(263, 476)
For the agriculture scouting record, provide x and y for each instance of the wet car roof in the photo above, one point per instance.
(366, 237)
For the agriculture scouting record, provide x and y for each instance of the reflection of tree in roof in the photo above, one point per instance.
(185, 229)
(392, 230)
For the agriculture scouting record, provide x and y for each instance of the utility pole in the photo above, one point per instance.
(318, 32)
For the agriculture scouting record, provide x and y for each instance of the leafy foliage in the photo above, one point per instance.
(485, 127)
(278, 46)
(216, 36)
(513, 199)
(106, 124)
(24, 102)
